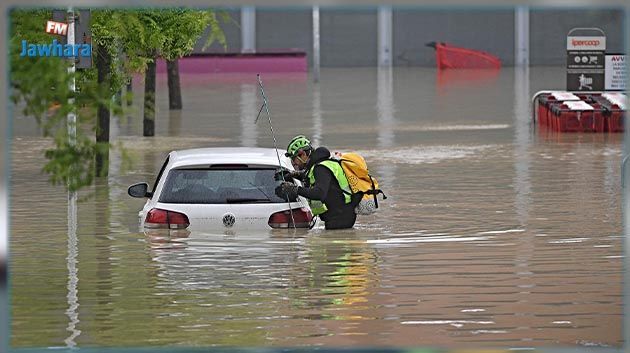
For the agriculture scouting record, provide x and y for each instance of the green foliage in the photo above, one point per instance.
(71, 164)
(38, 82)
(171, 33)
(183, 27)
(216, 33)
(131, 39)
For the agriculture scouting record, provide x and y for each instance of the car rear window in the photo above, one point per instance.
(220, 186)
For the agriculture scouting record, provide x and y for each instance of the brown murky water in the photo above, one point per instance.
(494, 233)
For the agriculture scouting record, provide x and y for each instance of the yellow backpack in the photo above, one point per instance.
(361, 182)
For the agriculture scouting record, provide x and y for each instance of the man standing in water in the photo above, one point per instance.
(326, 186)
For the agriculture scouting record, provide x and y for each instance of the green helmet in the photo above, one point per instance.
(298, 143)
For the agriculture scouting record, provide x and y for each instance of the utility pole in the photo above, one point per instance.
(316, 47)
(72, 117)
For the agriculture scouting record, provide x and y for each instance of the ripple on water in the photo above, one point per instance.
(424, 154)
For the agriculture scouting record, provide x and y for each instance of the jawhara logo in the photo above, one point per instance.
(56, 49)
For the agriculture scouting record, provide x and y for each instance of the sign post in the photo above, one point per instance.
(616, 72)
(585, 59)
(72, 118)
(82, 32)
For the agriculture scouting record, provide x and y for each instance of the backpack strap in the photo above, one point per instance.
(375, 192)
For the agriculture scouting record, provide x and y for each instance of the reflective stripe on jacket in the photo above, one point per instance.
(319, 207)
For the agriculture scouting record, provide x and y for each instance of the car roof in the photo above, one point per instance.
(228, 155)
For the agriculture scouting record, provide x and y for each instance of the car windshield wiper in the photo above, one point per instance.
(246, 200)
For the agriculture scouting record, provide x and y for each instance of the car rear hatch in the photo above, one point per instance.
(234, 196)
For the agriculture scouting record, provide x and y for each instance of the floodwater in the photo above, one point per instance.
(494, 233)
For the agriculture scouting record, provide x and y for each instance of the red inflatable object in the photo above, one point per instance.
(450, 57)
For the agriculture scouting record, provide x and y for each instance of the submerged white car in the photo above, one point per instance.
(220, 188)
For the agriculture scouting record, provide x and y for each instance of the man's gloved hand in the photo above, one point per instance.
(287, 175)
(287, 190)
(282, 175)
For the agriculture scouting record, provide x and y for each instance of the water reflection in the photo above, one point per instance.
(385, 109)
(293, 277)
(453, 78)
(522, 188)
(166, 239)
(248, 110)
(332, 283)
(174, 122)
(339, 268)
(105, 264)
(317, 115)
(522, 141)
(73, 272)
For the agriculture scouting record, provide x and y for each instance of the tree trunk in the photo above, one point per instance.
(174, 87)
(102, 121)
(129, 94)
(101, 220)
(149, 100)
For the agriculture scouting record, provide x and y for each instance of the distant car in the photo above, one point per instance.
(220, 188)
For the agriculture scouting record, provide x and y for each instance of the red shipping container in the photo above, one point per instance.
(556, 111)
(546, 100)
(613, 112)
(576, 116)
(598, 123)
(616, 118)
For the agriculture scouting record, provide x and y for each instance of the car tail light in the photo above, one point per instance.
(282, 219)
(158, 218)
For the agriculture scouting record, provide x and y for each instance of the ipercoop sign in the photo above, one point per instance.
(585, 63)
(586, 43)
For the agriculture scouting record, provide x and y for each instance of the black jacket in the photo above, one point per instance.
(326, 189)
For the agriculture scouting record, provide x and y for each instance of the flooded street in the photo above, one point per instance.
(494, 234)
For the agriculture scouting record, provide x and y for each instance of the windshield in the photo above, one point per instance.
(220, 186)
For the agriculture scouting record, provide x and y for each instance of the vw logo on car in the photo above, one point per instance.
(229, 220)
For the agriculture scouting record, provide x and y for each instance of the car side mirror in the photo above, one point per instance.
(139, 190)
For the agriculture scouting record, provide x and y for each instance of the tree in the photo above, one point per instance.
(183, 30)
(125, 41)
(172, 34)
